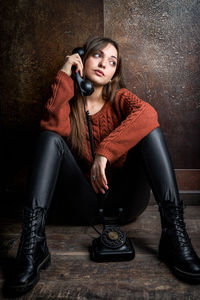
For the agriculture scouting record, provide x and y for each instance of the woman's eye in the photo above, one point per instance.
(96, 55)
(113, 63)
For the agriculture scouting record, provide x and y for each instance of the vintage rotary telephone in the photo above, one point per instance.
(112, 244)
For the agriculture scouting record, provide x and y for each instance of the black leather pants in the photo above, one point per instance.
(57, 176)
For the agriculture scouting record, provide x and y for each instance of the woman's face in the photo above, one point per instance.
(101, 65)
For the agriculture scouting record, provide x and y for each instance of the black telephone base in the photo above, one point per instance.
(100, 253)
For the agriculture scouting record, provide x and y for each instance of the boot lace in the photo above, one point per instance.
(29, 232)
(175, 217)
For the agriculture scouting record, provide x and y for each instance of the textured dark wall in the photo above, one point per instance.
(160, 42)
(36, 36)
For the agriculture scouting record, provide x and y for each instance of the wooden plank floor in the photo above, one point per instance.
(72, 275)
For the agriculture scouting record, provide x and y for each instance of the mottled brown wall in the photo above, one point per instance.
(160, 43)
(36, 36)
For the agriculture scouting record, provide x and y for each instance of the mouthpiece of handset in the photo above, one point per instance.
(87, 87)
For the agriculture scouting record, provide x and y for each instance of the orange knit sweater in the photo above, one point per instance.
(113, 133)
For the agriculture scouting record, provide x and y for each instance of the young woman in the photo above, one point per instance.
(127, 140)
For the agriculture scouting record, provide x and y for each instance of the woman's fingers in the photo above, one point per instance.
(73, 60)
(96, 183)
(78, 64)
(98, 175)
(104, 179)
(94, 187)
(77, 61)
(99, 187)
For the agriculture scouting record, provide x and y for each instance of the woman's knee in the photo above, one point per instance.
(155, 137)
(52, 140)
(51, 135)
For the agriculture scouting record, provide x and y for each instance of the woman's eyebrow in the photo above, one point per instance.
(114, 57)
(110, 56)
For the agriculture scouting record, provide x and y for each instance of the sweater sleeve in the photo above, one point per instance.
(140, 119)
(57, 108)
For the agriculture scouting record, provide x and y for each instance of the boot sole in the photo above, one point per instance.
(25, 288)
(187, 277)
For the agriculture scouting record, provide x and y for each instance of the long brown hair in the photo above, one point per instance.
(77, 114)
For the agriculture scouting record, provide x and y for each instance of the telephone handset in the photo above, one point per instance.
(85, 86)
(86, 89)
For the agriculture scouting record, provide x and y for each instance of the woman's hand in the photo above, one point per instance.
(98, 174)
(73, 60)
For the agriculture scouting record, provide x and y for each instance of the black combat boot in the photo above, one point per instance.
(175, 247)
(32, 255)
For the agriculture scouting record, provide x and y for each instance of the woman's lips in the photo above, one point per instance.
(99, 73)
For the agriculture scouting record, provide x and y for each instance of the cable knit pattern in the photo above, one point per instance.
(115, 131)
(140, 119)
(56, 117)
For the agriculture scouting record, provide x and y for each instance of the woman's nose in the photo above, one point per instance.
(102, 63)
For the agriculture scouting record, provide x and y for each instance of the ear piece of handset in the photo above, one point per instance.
(85, 86)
